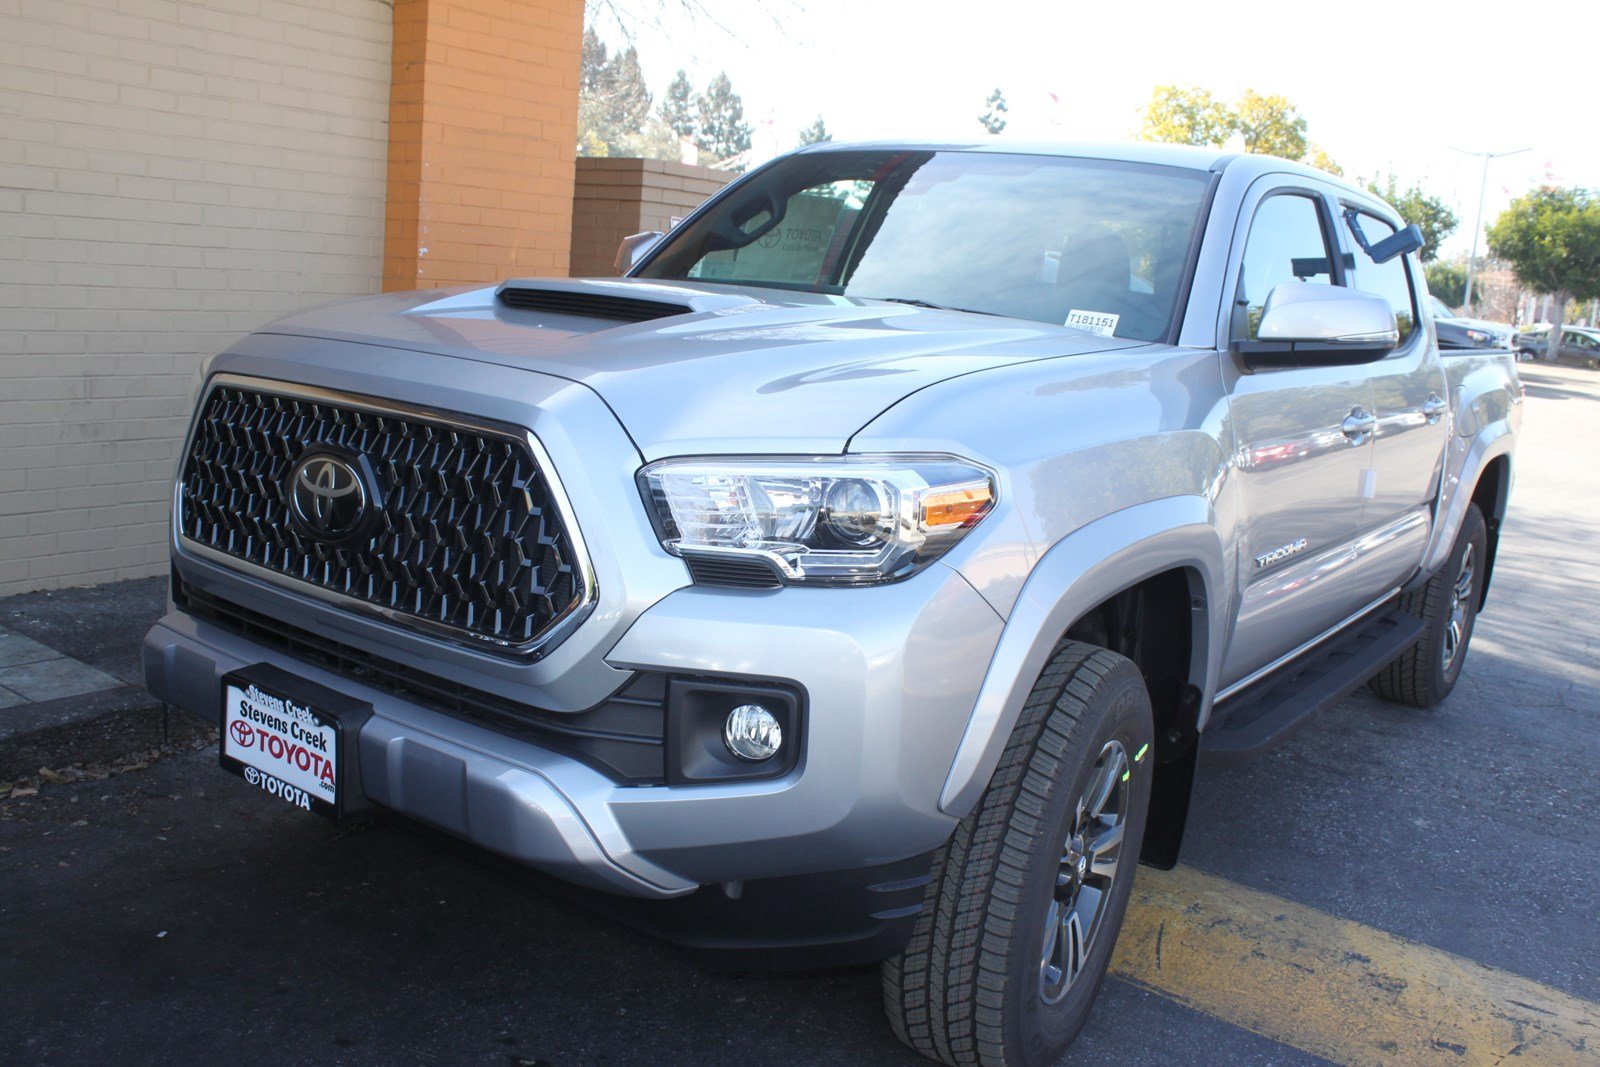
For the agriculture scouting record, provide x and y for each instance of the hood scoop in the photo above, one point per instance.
(589, 305)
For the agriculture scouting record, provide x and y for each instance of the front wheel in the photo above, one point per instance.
(1448, 606)
(1028, 895)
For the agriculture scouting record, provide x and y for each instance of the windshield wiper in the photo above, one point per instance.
(914, 302)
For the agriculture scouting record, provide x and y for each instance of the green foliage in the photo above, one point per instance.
(1415, 205)
(722, 131)
(1448, 282)
(1271, 126)
(1551, 238)
(1186, 115)
(1320, 159)
(613, 103)
(677, 107)
(816, 133)
(993, 118)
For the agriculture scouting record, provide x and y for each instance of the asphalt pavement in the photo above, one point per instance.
(169, 912)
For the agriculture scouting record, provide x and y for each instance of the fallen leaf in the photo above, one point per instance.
(24, 791)
(50, 776)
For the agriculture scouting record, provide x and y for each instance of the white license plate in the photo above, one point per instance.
(284, 748)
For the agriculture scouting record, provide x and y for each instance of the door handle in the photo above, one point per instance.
(1358, 424)
(1433, 408)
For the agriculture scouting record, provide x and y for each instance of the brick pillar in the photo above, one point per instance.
(483, 128)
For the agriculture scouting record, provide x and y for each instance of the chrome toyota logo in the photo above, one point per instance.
(327, 495)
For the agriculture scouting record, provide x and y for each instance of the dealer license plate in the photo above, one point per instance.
(282, 744)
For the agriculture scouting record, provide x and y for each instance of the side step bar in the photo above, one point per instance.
(1262, 716)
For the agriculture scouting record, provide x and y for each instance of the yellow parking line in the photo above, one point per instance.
(1336, 988)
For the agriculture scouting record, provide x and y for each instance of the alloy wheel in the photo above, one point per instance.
(1455, 631)
(1091, 859)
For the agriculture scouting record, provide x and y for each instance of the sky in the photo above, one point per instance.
(1383, 86)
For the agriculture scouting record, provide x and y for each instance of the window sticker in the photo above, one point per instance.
(1100, 322)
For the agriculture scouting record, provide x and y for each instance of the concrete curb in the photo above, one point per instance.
(98, 728)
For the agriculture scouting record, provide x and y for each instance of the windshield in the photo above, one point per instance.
(1440, 311)
(1090, 243)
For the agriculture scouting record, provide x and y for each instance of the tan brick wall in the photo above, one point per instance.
(483, 125)
(172, 174)
(617, 197)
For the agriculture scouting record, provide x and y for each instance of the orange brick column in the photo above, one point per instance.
(483, 128)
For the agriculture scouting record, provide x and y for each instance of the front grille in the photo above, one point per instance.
(622, 737)
(466, 535)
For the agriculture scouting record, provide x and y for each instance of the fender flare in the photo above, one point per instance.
(1080, 571)
(1489, 444)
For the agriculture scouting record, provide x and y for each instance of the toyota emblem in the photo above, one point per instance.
(252, 775)
(327, 495)
(243, 735)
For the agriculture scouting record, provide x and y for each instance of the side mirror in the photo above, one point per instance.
(1306, 324)
(1403, 243)
(634, 248)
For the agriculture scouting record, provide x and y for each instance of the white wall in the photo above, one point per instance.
(173, 173)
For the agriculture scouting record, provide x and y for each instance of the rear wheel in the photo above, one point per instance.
(1028, 896)
(1448, 606)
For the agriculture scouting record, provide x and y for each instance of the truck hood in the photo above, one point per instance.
(722, 369)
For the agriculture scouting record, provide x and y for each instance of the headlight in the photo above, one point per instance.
(1479, 336)
(839, 520)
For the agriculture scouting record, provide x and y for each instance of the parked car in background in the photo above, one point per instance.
(1457, 332)
(1580, 346)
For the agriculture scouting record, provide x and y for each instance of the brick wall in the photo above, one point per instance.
(173, 173)
(484, 128)
(617, 197)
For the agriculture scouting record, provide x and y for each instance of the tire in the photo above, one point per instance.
(972, 986)
(1448, 606)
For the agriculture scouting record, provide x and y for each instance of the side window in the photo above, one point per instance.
(1389, 280)
(1286, 242)
(805, 247)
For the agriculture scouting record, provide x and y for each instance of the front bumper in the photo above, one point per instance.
(891, 674)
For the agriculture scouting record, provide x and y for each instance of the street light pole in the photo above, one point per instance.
(1477, 226)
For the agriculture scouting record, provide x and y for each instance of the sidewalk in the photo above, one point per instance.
(71, 684)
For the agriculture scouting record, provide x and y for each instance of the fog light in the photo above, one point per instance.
(752, 733)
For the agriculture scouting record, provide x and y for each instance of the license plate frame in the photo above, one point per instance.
(287, 736)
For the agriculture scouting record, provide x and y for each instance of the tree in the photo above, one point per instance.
(993, 118)
(722, 130)
(613, 102)
(1415, 205)
(1448, 282)
(1270, 125)
(1551, 238)
(677, 107)
(816, 133)
(1186, 115)
(1319, 158)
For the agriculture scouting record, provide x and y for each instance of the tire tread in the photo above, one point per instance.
(945, 994)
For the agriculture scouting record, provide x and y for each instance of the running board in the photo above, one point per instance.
(1272, 709)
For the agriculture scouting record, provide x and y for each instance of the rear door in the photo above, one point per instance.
(1300, 474)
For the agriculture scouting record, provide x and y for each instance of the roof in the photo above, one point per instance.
(1171, 155)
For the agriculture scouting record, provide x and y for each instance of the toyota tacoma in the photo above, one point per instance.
(862, 575)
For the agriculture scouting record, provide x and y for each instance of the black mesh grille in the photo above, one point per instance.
(465, 534)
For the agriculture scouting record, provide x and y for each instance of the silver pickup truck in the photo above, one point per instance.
(864, 573)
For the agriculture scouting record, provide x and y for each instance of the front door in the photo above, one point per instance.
(1301, 453)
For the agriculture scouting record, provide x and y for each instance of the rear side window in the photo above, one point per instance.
(1390, 280)
(1286, 243)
